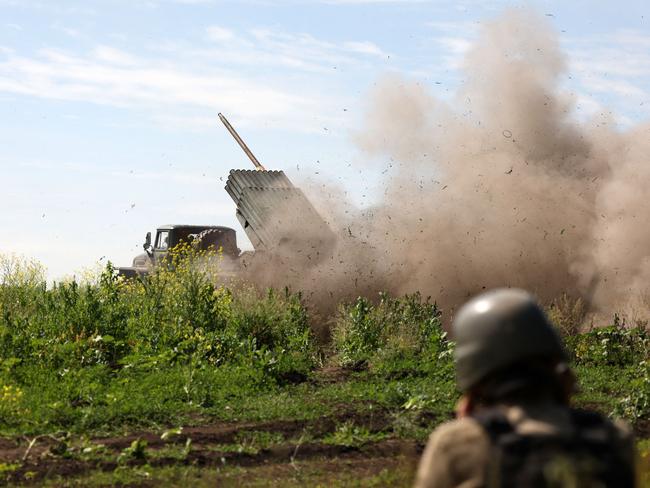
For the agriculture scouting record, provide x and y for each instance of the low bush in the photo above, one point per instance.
(76, 354)
(567, 314)
(614, 345)
(395, 336)
(613, 367)
(635, 402)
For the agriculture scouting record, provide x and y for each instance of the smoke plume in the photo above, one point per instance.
(502, 186)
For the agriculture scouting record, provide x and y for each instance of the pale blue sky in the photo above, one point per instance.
(108, 109)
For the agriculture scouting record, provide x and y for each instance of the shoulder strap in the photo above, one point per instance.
(495, 423)
(599, 436)
(518, 460)
(500, 471)
(585, 419)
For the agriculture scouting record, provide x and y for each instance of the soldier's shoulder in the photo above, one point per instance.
(455, 454)
(624, 436)
(618, 431)
(460, 432)
(622, 429)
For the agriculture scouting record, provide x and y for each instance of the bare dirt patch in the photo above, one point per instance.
(212, 445)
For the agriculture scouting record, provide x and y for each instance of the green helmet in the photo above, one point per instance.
(499, 328)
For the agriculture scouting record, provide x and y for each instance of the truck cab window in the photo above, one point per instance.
(162, 240)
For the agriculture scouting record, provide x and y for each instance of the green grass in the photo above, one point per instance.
(108, 357)
(317, 473)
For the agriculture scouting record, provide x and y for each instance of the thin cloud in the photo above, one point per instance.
(114, 56)
(49, 7)
(619, 87)
(263, 75)
(111, 77)
(367, 2)
(454, 38)
(455, 49)
(308, 51)
(219, 34)
(68, 31)
(205, 208)
(365, 47)
(623, 53)
(615, 67)
(463, 28)
(192, 178)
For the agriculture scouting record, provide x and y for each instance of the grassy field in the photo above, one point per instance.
(175, 380)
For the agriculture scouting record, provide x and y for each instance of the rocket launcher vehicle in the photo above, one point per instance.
(275, 214)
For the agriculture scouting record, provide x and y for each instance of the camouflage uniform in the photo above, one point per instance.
(459, 451)
(540, 441)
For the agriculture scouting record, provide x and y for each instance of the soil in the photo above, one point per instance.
(46, 458)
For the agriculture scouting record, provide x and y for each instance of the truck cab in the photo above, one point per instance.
(222, 239)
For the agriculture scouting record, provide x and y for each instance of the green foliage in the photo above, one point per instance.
(350, 435)
(178, 452)
(78, 355)
(635, 404)
(255, 441)
(396, 336)
(6, 469)
(175, 314)
(251, 442)
(112, 354)
(615, 345)
(10, 401)
(616, 359)
(170, 434)
(136, 451)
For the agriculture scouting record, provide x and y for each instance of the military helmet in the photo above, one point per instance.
(499, 328)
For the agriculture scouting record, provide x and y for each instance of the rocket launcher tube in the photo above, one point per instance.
(241, 143)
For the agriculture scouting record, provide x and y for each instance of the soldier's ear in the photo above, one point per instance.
(465, 406)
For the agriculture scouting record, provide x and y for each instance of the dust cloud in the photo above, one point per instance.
(500, 186)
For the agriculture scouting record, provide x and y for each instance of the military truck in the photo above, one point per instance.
(222, 239)
(276, 216)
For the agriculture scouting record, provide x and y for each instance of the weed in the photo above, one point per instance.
(635, 405)
(251, 442)
(170, 434)
(178, 452)
(410, 424)
(7, 469)
(77, 356)
(350, 435)
(614, 345)
(395, 337)
(567, 314)
(10, 401)
(255, 441)
(136, 451)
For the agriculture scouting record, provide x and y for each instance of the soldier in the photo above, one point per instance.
(514, 425)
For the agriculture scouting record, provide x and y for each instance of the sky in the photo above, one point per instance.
(108, 108)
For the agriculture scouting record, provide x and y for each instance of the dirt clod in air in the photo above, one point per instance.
(501, 186)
